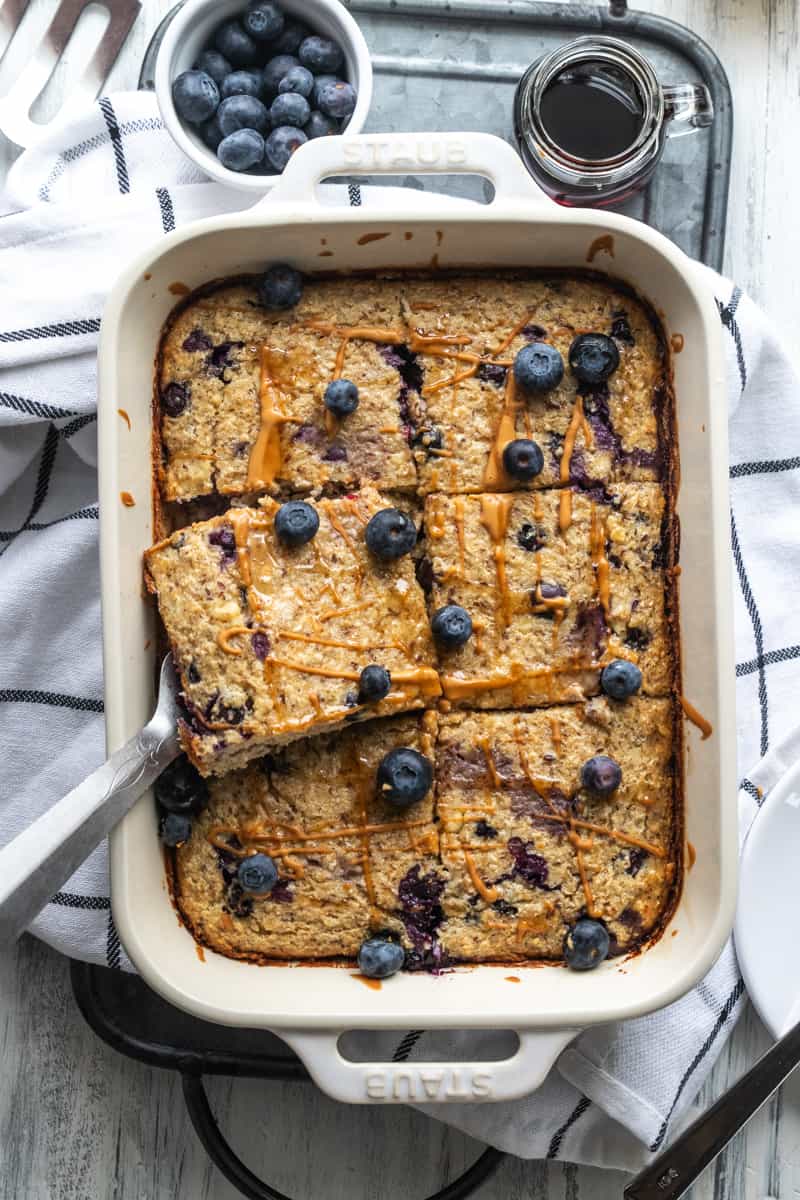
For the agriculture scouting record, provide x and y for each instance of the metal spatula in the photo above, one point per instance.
(35, 865)
(15, 106)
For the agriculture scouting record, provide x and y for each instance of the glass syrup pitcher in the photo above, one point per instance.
(591, 120)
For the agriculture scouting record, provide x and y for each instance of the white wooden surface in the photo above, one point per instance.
(78, 1122)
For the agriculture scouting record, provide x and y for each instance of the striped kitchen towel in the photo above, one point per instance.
(90, 195)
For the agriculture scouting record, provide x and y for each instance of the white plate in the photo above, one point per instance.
(768, 898)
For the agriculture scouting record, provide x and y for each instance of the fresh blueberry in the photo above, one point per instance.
(379, 958)
(593, 357)
(451, 626)
(211, 133)
(296, 523)
(214, 64)
(538, 367)
(374, 683)
(586, 944)
(280, 287)
(601, 775)
(620, 679)
(298, 80)
(320, 55)
(318, 125)
(390, 534)
(241, 83)
(195, 96)
(282, 143)
(175, 829)
(275, 71)
(264, 21)
(341, 397)
(175, 398)
(241, 150)
(523, 459)
(404, 776)
(181, 788)
(288, 108)
(289, 41)
(337, 99)
(257, 874)
(237, 46)
(242, 112)
(320, 82)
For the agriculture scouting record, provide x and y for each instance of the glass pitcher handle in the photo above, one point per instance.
(687, 106)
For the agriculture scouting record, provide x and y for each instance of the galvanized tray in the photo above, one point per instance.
(454, 64)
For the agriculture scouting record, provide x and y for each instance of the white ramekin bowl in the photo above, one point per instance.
(187, 35)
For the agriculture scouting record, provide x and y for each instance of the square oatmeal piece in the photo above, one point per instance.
(557, 584)
(241, 393)
(466, 332)
(342, 851)
(270, 639)
(527, 849)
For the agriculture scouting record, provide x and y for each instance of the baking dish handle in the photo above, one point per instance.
(427, 1082)
(406, 154)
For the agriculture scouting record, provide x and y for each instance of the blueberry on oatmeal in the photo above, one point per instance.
(593, 358)
(451, 626)
(296, 523)
(601, 775)
(257, 874)
(374, 683)
(341, 397)
(390, 534)
(281, 286)
(404, 777)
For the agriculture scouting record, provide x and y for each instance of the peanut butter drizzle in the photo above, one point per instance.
(495, 514)
(358, 646)
(577, 421)
(374, 984)
(336, 524)
(200, 952)
(597, 543)
(489, 894)
(224, 636)
(587, 890)
(705, 727)
(494, 474)
(362, 333)
(691, 855)
(240, 521)
(265, 457)
(604, 244)
(535, 924)
(484, 745)
(512, 979)
(127, 499)
(332, 613)
(124, 416)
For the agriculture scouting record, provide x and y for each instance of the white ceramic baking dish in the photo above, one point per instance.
(310, 1006)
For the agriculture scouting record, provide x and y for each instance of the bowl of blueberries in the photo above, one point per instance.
(242, 86)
